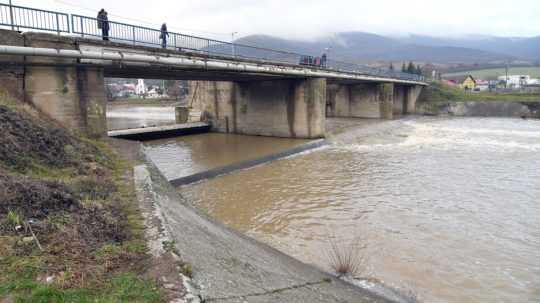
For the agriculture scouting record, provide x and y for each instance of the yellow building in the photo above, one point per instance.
(469, 83)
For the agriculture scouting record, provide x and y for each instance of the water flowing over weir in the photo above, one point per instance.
(448, 207)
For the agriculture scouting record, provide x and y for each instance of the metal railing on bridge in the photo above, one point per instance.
(18, 17)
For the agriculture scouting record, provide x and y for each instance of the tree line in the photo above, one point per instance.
(410, 68)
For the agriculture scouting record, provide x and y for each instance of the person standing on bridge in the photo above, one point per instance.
(164, 35)
(103, 24)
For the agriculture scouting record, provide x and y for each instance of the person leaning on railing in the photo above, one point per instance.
(103, 24)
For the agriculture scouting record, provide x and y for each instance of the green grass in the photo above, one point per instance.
(121, 288)
(493, 73)
(438, 92)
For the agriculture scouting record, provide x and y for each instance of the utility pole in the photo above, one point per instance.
(506, 70)
(232, 44)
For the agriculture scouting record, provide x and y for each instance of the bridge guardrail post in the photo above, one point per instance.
(11, 16)
(133, 33)
(57, 24)
(82, 27)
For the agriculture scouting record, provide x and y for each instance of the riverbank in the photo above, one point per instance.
(70, 225)
(440, 92)
(515, 109)
(440, 99)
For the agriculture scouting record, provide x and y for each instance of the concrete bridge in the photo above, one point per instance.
(63, 76)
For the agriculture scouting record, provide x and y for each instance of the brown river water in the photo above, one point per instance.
(447, 207)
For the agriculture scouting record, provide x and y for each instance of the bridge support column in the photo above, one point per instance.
(73, 96)
(386, 99)
(367, 100)
(411, 95)
(11, 76)
(279, 108)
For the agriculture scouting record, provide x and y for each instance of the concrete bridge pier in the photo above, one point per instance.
(70, 94)
(292, 108)
(371, 100)
(73, 96)
(366, 100)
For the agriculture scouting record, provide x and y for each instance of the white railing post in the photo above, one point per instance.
(11, 16)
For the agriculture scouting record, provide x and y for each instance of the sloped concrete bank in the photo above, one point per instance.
(231, 267)
(480, 109)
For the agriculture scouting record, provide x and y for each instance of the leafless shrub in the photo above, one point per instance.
(346, 258)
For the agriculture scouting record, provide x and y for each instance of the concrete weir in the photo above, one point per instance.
(246, 164)
(158, 132)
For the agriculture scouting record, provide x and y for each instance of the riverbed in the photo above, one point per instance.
(447, 207)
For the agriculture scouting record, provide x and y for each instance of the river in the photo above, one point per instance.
(446, 207)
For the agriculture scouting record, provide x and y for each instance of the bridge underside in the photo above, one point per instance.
(72, 91)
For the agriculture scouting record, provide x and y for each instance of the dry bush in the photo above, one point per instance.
(346, 258)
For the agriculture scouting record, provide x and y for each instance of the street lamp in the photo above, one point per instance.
(232, 43)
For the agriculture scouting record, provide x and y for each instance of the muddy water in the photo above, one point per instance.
(124, 117)
(184, 156)
(448, 207)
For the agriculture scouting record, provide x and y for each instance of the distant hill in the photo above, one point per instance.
(366, 47)
(525, 48)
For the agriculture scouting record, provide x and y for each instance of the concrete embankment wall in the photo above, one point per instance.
(481, 109)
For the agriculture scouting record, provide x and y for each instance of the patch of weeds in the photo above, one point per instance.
(13, 219)
(187, 269)
(129, 288)
(93, 188)
(108, 251)
(137, 246)
(58, 221)
(346, 259)
(169, 246)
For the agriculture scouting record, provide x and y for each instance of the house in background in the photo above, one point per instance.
(450, 82)
(481, 85)
(469, 83)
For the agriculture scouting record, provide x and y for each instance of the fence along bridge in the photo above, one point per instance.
(267, 92)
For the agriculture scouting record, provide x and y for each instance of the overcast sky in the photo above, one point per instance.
(310, 19)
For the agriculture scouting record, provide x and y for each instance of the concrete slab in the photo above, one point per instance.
(154, 132)
(231, 267)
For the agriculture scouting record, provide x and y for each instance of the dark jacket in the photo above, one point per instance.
(103, 20)
(164, 32)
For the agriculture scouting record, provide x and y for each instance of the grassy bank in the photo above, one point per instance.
(439, 92)
(70, 228)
